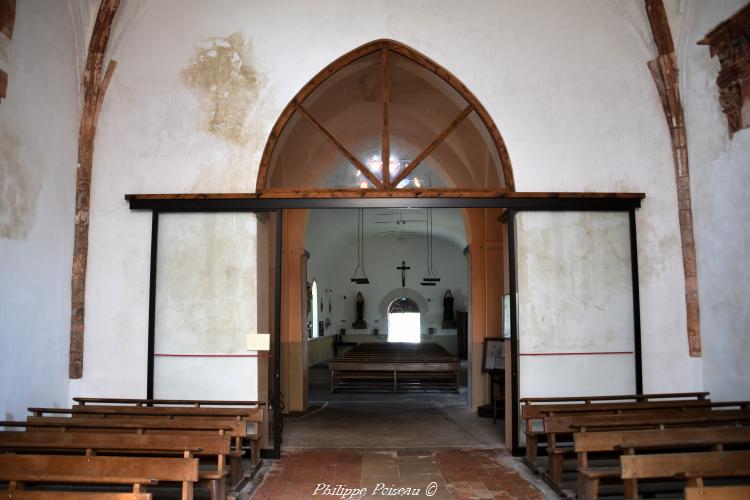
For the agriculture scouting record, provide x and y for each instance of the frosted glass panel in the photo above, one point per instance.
(206, 305)
(575, 304)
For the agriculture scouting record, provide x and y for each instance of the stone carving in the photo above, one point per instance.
(730, 42)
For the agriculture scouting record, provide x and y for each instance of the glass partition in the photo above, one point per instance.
(206, 305)
(575, 304)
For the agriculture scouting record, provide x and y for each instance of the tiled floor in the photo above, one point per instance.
(427, 424)
(448, 474)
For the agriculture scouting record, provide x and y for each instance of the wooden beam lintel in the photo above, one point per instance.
(374, 193)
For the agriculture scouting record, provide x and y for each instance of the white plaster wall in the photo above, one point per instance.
(566, 83)
(720, 174)
(38, 140)
(575, 304)
(206, 285)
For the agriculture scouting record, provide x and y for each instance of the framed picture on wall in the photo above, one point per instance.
(493, 355)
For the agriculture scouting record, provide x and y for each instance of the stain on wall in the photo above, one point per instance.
(223, 73)
(19, 188)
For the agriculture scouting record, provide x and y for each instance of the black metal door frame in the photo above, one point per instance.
(277, 205)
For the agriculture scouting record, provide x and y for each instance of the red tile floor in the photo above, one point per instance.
(354, 475)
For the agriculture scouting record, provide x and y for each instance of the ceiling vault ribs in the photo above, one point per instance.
(337, 144)
(664, 72)
(434, 144)
(94, 87)
(385, 156)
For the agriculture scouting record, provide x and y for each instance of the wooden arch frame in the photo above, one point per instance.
(387, 185)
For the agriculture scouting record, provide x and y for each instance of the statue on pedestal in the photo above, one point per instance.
(448, 321)
(359, 322)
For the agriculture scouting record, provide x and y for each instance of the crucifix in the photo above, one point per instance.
(403, 269)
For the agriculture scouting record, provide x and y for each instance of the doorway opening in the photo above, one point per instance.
(403, 321)
(385, 100)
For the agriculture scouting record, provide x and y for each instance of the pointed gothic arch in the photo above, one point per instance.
(384, 100)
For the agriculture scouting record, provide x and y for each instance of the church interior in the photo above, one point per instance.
(290, 250)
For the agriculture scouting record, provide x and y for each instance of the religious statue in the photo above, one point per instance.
(448, 321)
(359, 322)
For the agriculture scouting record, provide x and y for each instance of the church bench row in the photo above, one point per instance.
(533, 410)
(559, 426)
(395, 367)
(590, 446)
(212, 448)
(244, 416)
(167, 402)
(62, 471)
(205, 440)
(186, 421)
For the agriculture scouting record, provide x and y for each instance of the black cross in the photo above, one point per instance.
(403, 269)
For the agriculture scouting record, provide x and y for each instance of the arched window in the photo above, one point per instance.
(385, 100)
(315, 331)
(404, 321)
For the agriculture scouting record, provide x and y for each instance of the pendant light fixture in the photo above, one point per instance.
(432, 277)
(360, 277)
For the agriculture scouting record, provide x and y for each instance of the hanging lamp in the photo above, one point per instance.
(360, 277)
(432, 277)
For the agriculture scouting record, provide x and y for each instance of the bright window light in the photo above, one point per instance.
(404, 327)
(315, 308)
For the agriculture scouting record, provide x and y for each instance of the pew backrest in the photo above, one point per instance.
(575, 423)
(136, 425)
(619, 397)
(46, 440)
(656, 438)
(96, 470)
(198, 403)
(686, 465)
(247, 414)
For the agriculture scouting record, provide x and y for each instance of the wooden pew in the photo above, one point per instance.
(621, 409)
(253, 439)
(716, 492)
(533, 410)
(600, 443)
(64, 470)
(693, 467)
(618, 397)
(568, 424)
(253, 415)
(146, 425)
(197, 403)
(248, 415)
(216, 447)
